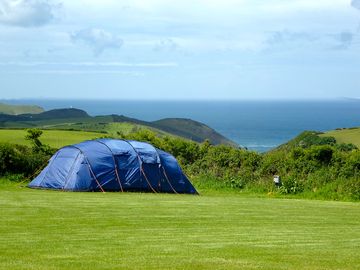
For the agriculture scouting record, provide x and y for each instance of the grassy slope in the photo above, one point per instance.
(54, 138)
(345, 135)
(59, 230)
(19, 109)
(111, 128)
(127, 128)
(192, 129)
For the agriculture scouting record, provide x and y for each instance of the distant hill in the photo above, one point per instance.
(76, 119)
(57, 114)
(19, 109)
(191, 129)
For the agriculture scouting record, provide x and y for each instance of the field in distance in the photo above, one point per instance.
(54, 138)
(346, 135)
(66, 230)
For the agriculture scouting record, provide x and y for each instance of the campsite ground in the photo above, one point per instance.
(62, 230)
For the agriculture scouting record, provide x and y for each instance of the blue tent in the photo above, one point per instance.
(113, 165)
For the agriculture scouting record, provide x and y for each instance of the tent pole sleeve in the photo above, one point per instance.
(42, 180)
(115, 166)
(71, 171)
(165, 174)
(141, 166)
(90, 168)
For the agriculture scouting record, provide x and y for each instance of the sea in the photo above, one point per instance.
(258, 125)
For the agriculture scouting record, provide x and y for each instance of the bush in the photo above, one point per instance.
(346, 147)
(353, 188)
(33, 135)
(322, 155)
(19, 159)
(291, 186)
(310, 138)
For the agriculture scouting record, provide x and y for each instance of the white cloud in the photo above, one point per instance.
(309, 41)
(76, 72)
(98, 39)
(94, 64)
(167, 45)
(345, 40)
(288, 37)
(27, 13)
(355, 4)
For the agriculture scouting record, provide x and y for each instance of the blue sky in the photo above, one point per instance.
(188, 49)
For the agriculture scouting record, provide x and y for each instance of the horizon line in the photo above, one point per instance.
(181, 99)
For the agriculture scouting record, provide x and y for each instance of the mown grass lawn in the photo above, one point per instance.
(62, 230)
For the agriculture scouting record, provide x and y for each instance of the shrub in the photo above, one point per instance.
(291, 185)
(346, 147)
(320, 154)
(33, 135)
(19, 159)
(353, 188)
(310, 138)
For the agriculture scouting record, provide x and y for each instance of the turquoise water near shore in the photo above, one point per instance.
(257, 125)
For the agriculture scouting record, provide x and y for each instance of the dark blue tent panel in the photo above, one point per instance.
(113, 165)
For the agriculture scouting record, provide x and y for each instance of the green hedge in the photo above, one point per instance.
(307, 165)
(19, 159)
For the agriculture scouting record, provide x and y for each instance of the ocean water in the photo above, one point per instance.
(257, 125)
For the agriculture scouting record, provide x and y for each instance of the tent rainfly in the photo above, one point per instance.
(113, 165)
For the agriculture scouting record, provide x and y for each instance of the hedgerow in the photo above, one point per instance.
(307, 165)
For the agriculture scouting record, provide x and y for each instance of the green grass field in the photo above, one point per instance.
(54, 138)
(346, 135)
(62, 230)
(59, 138)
